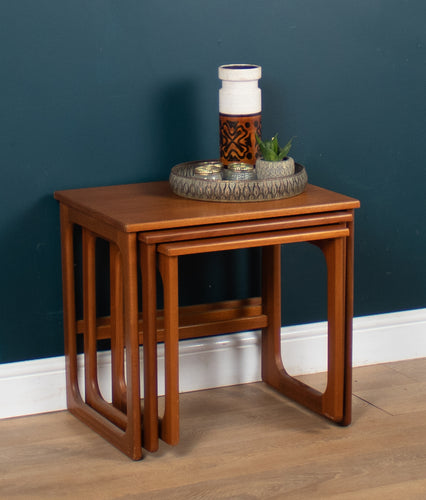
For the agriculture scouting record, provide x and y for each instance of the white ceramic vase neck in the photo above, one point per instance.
(240, 94)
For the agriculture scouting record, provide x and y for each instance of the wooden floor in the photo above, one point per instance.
(241, 442)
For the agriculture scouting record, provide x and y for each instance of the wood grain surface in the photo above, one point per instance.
(152, 206)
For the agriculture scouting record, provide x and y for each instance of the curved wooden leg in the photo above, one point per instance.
(122, 430)
(273, 371)
(92, 393)
(74, 398)
(331, 402)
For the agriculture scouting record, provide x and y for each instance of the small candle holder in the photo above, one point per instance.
(211, 171)
(239, 172)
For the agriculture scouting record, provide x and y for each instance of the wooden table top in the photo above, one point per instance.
(152, 205)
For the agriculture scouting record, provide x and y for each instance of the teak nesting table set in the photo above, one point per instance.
(147, 227)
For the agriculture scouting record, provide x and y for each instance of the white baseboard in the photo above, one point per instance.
(38, 386)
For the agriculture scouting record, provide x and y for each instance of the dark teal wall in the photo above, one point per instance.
(96, 92)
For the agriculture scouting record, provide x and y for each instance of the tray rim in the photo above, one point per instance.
(298, 180)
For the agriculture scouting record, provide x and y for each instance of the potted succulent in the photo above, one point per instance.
(274, 161)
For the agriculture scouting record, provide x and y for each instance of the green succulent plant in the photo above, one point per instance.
(271, 150)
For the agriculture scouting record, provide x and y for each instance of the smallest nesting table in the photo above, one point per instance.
(146, 225)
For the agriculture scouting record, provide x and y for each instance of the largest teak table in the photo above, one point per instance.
(145, 226)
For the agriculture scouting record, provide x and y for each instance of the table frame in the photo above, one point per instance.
(334, 403)
(320, 216)
(119, 422)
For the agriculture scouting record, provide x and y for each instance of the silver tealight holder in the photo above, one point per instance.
(211, 171)
(239, 172)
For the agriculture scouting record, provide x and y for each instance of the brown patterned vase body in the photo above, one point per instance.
(237, 138)
(240, 108)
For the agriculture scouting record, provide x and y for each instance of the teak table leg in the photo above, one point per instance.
(119, 388)
(272, 366)
(170, 423)
(74, 399)
(92, 392)
(128, 247)
(149, 309)
(332, 399)
(349, 309)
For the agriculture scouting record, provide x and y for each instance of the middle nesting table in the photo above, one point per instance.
(329, 231)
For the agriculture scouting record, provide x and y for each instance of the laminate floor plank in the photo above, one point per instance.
(414, 368)
(240, 442)
(397, 388)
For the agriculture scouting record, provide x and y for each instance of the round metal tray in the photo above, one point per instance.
(183, 183)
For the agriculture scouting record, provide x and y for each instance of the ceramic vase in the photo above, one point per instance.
(240, 109)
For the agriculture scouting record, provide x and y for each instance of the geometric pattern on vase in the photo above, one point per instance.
(237, 138)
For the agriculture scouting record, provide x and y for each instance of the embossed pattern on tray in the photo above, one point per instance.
(183, 183)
